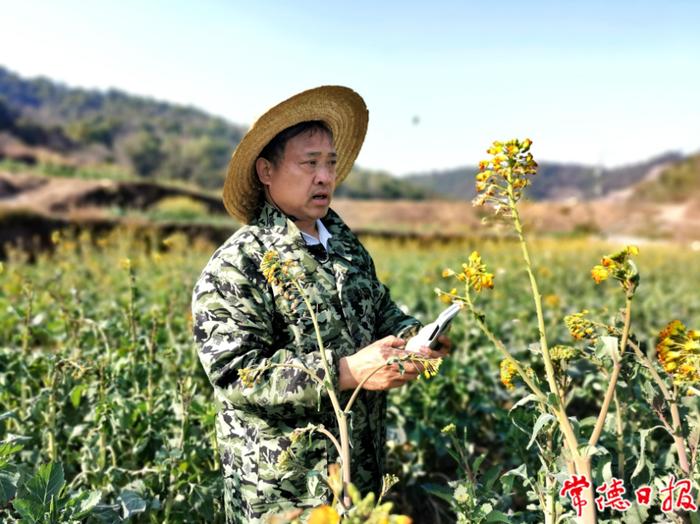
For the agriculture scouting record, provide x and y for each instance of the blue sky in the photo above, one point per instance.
(596, 82)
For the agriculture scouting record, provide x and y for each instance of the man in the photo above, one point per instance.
(280, 183)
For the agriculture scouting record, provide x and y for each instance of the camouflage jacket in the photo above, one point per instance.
(242, 321)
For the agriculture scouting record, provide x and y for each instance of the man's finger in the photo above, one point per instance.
(426, 352)
(396, 342)
(445, 343)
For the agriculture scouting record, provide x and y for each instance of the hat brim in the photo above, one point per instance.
(340, 108)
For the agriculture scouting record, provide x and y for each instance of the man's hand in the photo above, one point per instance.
(356, 367)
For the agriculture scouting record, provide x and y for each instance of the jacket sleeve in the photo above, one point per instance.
(390, 319)
(232, 311)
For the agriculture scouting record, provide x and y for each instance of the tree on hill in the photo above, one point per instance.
(675, 183)
(151, 138)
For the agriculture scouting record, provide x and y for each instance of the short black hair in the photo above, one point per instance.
(274, 150)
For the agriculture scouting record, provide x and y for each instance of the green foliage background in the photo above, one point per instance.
(98, 371)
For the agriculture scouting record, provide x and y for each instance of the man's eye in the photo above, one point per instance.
(312, 163)
(333, 162)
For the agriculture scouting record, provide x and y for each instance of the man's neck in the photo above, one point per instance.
(309, 228)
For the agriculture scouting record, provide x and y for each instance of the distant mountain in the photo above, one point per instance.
(554, 181)
(372, 185)
(149, 138)
(121, 135)
(676, 183)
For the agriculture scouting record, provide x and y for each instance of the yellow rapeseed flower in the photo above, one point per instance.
(449, 429)
(270, 265)
(275, 271)
(618, 266)
(579, 326)
(448, 298)
(503, 176)
(678, 351)
(125, 263)
(56, 237)
(561, 352)
(475, 273)
(552, 300)
(508, 372)
(324, 515)
(599, 273)
(248, 376)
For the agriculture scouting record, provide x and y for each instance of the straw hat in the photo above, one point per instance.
(340, 108)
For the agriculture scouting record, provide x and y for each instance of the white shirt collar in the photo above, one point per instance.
(323, 236)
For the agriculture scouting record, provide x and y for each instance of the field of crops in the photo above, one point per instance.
(105, 412)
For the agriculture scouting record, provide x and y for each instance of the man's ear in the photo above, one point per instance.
(263, 169)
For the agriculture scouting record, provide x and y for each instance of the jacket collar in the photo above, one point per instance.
(287, 235)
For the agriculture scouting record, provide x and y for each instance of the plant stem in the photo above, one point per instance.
(131, 311)
(149, 373)
(548, 366)
(600, 422)
(340, 415)
(560, 411)
(582, 462)
(620, 437)
(357, 390)
(52, 414)
(319, 341)
(102, 421)
(332, 438)
(583, 467)
(506, 354)
(677, 429)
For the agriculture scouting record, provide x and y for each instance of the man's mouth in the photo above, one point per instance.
(320, 197)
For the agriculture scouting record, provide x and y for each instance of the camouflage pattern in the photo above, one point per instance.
(241, 321)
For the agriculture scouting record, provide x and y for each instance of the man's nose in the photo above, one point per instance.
(325, 174)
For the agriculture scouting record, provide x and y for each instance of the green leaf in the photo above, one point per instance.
(611, 347)
(8, 486)
(508, 477)
(8, 414)
(477, 463)
(553, 400)
(440, 491)
(523, 401)
(45, 484)
(491, 476)
(30, 511)
(87, 501)
(132, 503)
(7, 449)
(636, 514)
(497, 516)
(76, 394)
(520, 471)
(543, 419)
(642, 449)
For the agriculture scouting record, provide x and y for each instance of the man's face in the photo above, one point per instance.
(303, 181)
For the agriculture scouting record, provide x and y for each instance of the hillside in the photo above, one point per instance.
(372, 185)
(677, 183)
(52, 129)
(554, 181)
(143, 136)
(33, 206)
